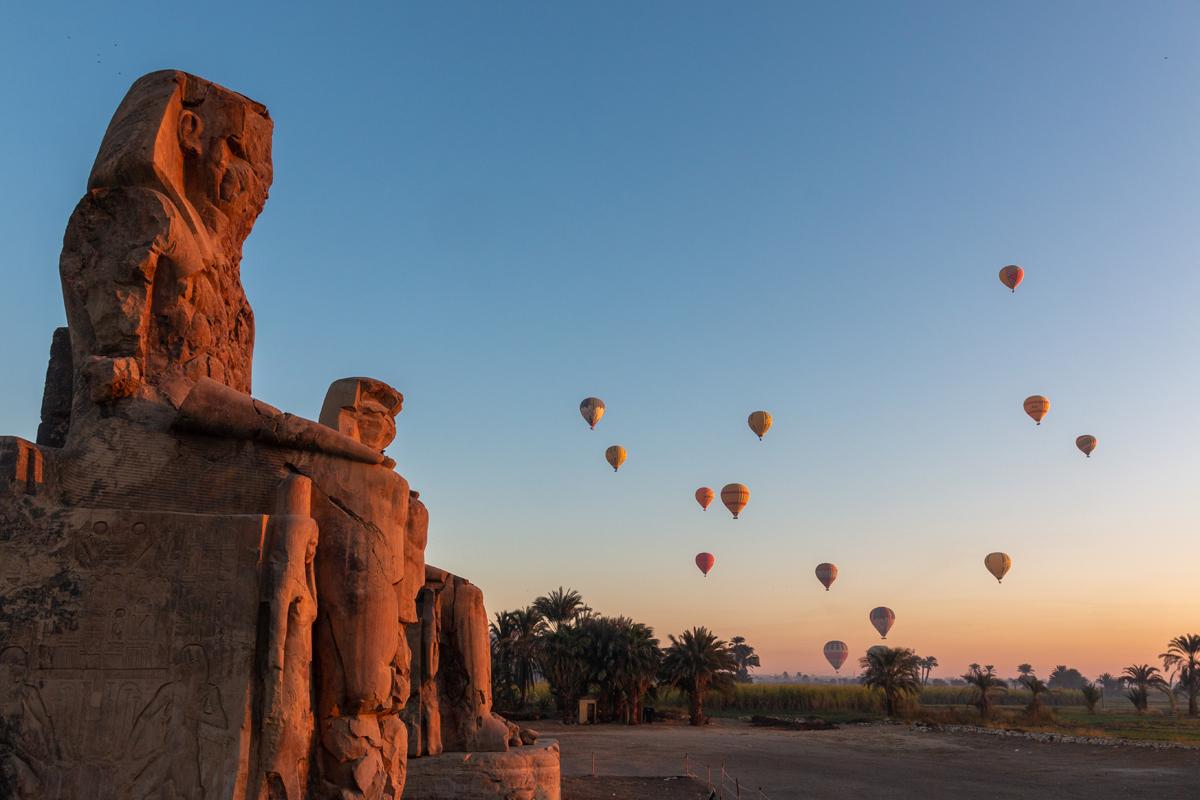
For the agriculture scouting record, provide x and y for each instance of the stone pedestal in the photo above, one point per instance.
(523, 773)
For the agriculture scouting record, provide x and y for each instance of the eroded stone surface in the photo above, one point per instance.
(527, 773)
(201, 596)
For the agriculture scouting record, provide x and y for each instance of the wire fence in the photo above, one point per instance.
(724, 785)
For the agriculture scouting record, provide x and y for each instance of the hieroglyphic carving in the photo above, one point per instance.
(151, 684)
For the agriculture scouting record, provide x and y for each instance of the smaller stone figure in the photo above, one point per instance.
(364, 409)
(27, 738)
(367, 587)
(290, 592)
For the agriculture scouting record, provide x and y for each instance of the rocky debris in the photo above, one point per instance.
(793, 723)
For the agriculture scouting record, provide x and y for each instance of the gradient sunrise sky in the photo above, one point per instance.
(695, 210)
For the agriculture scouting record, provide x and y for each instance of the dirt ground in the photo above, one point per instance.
(878, 761)
(605, 788)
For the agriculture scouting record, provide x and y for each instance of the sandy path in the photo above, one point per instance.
(881, 761)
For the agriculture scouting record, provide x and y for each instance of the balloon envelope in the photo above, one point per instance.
(760, 423)
(836, 653)
(826, 574)
(1086, 443)
(705, 562)
(735, 496)
(998, 564)
(615, 456)
(1037, 407)
(883, 618)
(704, 496)
(592, 409)
(1011, 276)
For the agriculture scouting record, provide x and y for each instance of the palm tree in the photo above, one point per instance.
(1108, 682)
(896, 671)
(696, 662)
(561, 653)
(984, 681)
(1036, 687)
(1139, 679)
(1024, 669)
(745, 656)
(928, 665)
(560, 607)
(642, 659)
(500, 640)
(527, 627)
(1182, 659)
(1064, 677)
(1092, 693)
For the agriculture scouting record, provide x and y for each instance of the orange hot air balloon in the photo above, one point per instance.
(615, 456)
(1037, 407)
(835, 654)
(735, 496)
(705, 562)
(1086, 444)
(704, 496)
(883, 618)
(826, 574)
(1011, 276)
(998, 564)
(592, 409)
(760, 423)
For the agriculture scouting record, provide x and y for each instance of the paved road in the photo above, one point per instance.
(881, 761)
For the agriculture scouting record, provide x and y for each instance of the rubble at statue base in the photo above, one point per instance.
(203, 597)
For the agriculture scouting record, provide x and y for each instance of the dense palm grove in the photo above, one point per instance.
(561, 642)
(579, 653)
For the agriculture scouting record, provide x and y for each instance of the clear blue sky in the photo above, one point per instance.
(695, 210)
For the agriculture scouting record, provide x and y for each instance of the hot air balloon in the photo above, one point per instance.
(998, 564)
(1011, 276)
(615, 456)
(592, 409)
(883, 618)
(705, 562)
(826, 574)
(760, 423)
(1086, 444)
(704, 496)
(835, 654)
(735, 496)
(1037, 407)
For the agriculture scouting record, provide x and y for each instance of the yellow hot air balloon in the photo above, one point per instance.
(592, 409)
(1037, 407)
(615, 456)
(735, 496)
(998, 564)
(1086, 444)
(760, 423)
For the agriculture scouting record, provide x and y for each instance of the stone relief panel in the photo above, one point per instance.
(144, 689)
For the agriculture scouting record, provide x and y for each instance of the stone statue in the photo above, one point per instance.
(204, 597)
(290, 594)
(152, 256)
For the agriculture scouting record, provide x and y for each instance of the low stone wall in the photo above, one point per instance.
(523, 773)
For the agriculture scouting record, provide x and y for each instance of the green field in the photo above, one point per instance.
(1064, 713)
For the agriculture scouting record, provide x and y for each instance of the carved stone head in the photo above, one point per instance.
(205, 147)
(364, 409)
